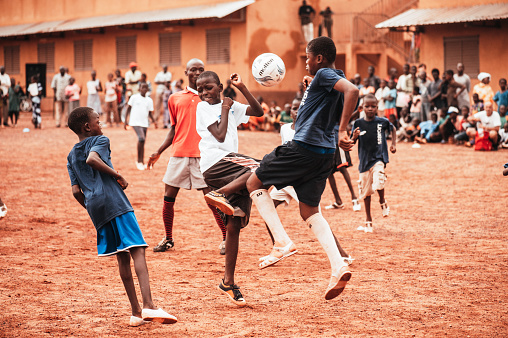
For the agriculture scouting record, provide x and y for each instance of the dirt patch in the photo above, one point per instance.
(437, 266)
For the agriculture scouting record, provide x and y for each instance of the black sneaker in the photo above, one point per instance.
(233, 291)
(164, 245)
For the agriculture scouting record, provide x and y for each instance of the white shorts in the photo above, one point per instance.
(184, 172)
(372, 180)
(285, 194)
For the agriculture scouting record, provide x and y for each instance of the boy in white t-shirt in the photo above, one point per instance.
(222, 167)
(141, 108)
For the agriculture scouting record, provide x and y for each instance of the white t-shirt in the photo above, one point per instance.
(33, 89)
(5, 83)
(141, 107)
(91, 86)
(491, 121)
(212, 151)
(380, 93)
(162, 77)
(287, 133)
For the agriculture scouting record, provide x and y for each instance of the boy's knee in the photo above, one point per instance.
(253, 183)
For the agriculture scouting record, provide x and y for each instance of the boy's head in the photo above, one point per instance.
(84, 121)
(435, 74)
(393, 119)
(405, 68)
(391, 84)
(371, 70)
(502, 110)
(370, 106)
(433, 116)
(366, 82)
(449, 75)
(72, 80)
(143, 77)
(209, 87)
(476, 98)
(415, 122)
(413, 70)
(194, 68)
(465, 111)
(294, 108)
(382, 84)
(110, 77)
(287, 108)
(93, 74)
(416, 90)
(321, 53)
(33, 79)
(143, 89)
(13, 82)
(404, 112)
(502, 83)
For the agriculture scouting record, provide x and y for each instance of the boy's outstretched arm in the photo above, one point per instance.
(167, 142)
(78, 195)
(393, 146)
(219, 129)
(254, 108)
(96, 162)
(127, 113)
(350, 99)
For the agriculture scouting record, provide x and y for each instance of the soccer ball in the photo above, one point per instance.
(268, 69)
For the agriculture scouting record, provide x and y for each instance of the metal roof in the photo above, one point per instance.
(219, 10)
(438, 16)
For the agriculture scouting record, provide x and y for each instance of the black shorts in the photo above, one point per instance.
(305, 170)
(342, 159)
(229, 168)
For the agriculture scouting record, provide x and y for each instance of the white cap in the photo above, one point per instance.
(483, 75)
(453, 109)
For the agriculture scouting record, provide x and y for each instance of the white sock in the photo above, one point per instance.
(266, 208)
(321, 229)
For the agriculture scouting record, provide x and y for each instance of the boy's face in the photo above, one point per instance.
(143, 89)
(313, 62)
(209, 90)
(435, 75)
(370, 108)
(294, 109)
(476, 98)
(465, 111)
(502, 84)
(94, 124)
(448, 77)
(391, 84)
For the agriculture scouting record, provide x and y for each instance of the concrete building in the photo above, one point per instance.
(226, 34)
(473, 32)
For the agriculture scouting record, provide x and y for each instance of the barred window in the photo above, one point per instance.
(83, 55)
(46, 54)
(170, 48)
(125, 51)
(464, 49)
(217, 45)
(11, 59)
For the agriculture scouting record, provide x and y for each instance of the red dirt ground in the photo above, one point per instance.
(437, 266)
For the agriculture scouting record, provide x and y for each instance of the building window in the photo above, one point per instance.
(125, 51)
(217, 45)
(463, 49)
(11, 59)
(169, 49)
(46, 54)
(83, 55)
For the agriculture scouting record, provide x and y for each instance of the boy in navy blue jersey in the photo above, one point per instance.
(310, 156)
(373, 156)
(99, 189)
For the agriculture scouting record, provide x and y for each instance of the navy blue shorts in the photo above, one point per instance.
(305, 170)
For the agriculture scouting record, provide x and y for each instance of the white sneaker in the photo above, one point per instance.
(356, 205)
(3, 211)
(368, 228)
(140, 166)
(361, 228)
(386, 209)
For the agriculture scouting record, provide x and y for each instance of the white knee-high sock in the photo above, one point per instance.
(266, 208)
(321, 229)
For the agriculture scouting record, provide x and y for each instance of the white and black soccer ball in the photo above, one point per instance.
(268, 69)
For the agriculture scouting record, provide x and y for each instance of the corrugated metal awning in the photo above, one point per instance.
(439, 16)
(219, 10)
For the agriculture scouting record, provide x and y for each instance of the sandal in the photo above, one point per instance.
(286, 251)
(338, 283)
(334, 205)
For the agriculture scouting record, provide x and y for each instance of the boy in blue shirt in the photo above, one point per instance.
(99, 189)
(310, 156)
(373, 156)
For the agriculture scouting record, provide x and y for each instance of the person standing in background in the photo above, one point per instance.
(161, 80)
(59, 82)
(5, 83)
(463, 79)
(307, 14)
(93, 88)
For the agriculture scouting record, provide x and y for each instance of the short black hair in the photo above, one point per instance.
(449, 72)
(369, 97)
(435, 70)
(323, 46)
(211, 74)
(78, 117)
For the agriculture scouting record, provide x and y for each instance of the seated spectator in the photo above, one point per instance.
(502, 114)
(404, 122)
(483, 89)
(412, 131)
(503, 136)
(487, 121)
(448, 128)
(477, 105)
(462, 137)
(285, 115)
(258, 122)
(429, 130)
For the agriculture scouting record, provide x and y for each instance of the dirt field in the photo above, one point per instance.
(437, 266)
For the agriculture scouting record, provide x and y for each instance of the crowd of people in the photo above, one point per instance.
(442, 108)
